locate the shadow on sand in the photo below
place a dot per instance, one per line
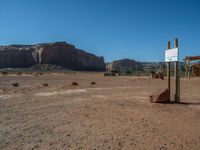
(184, 103)
(190, 103)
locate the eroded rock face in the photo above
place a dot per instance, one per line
(161, 96)
(59, 53)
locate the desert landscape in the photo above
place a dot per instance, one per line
(99, 75)
(85, 110)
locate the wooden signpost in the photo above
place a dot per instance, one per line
(172, 55)
(169, 70)
(176, 76)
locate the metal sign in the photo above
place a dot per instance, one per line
(171, 55)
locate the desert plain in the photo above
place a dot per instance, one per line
(46, 111)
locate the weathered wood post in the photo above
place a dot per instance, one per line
(136, 70)
(119, 71)
(168, 69)
(176, 76)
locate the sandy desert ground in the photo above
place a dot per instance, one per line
(114, 113)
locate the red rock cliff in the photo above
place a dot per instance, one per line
(59, 53)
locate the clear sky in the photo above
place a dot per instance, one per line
(115, 29)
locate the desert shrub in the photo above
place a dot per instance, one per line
(19, 73)
(128, 72)
(45, 84)
(39, 73)
(74, 83)
(15, 84)
(93, 83)
(5, 73)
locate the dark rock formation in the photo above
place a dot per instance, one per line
(59, 53)
(160, 97)
(115, 65)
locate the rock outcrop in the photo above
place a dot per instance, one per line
(160, 97)
(115, 65)
(59, 53)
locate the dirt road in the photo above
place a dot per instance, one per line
(114, 113)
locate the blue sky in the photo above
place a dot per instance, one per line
(115, 29)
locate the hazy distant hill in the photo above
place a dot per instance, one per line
(123, 63)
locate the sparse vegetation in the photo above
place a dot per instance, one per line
(73, 103)
(128, 72)
(74, 83)
(4, 73)
(93, 83)
(19, 73)
(45, 84)
(15, 84)
(38, 74)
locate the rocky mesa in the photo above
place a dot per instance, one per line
(58, 53)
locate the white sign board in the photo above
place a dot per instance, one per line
(171, 55)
